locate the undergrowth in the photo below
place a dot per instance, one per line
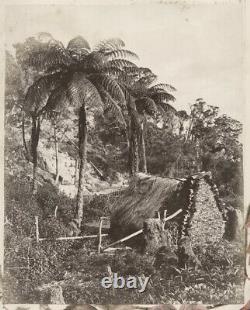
(78, 268)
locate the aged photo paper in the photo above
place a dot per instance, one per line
(124, 155)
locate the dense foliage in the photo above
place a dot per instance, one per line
(97, 106)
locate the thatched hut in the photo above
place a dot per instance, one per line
(202, 217)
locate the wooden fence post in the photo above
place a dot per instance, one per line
(100, 236)
(37, 229)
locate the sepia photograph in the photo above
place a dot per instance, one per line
(123, 156)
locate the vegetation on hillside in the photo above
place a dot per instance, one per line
(97, 106)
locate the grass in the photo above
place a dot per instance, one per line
(77, 267)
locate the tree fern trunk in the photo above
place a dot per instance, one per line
(35, 133)
(82, 158)
(76, 169)
(133, 136)
(134, 149)
(56, 153)
(26, 151)
(143, 164)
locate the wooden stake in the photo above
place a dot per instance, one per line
(37, 229)
(172, 215)
(165, 213)
(72, 238)
(55, 213)
(124, 239)
(100, 236)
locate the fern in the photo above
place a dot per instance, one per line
(146, 105)
(164, 87)
(114, 107)
(109, 84)
(78, 43)
(121, 53)
(109, 45)
(120, 63)
(38, 93)
(82, 92)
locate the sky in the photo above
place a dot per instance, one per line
(196, 48)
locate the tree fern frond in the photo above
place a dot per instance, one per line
(37, 94)
(113, 71)
(146, 81)
(162, 96)
(126, 93)
(79, 54)
(121, 53)
(120, 63)
(109, 45)
(166, 108)
(94, 62)
(57, 101)
(114, 107)
(109, 84)
(41, 56)
(162, 86)
(82, 91)
(44, 37)
(146, 105)
(78, 43)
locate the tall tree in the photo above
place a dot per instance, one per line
(80, 76)
(144, 100)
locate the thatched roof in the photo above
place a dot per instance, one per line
(196, 196)
(145, 196)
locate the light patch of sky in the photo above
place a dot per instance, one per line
(198, 48)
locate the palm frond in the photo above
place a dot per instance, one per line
(162, 86)
(78, 43)
(109, 45)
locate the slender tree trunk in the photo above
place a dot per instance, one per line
(143, 163)
(56, 152)
(133, 137)
(76, 168)
(35, 133)
(198, 162)
(134, 149)
(82, 158)
(26, 151)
